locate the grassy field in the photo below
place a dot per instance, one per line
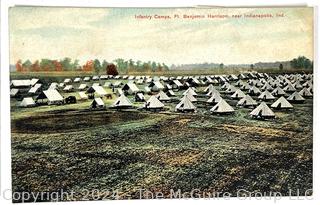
(72, 148)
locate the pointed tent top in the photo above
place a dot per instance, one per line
(266, 95)
(162, 96)
(122, 101)
(191, 97)
(222, 107)
(289, 88)
(305, 92)
(231, 89)
(190, 91)
(247, 101)
(98, 101)
(215, 98)
(278, 91)
(209, 88)
(213, 92)
(185, 105)
(238, 94)
(295, 97)
(281, 103)
(153, 103)
(262, 111)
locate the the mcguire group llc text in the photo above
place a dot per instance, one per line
(206, 16)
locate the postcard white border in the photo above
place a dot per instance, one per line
(5, 99)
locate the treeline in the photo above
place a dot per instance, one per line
(95, 66)
(131, 66)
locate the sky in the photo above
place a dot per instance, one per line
(110, 33)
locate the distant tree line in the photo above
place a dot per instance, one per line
(130, 66)
(67, 64)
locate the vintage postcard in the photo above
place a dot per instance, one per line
(153, 103)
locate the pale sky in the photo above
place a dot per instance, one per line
(110, 33)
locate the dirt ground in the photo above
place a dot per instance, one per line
(78, 150)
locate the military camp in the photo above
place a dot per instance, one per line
(160, 120)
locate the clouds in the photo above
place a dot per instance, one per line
(86, 33)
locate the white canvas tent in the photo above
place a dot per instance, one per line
(254, 91)
(289, 88)
(238, 94)
(305, 92)
(262, 111)
(247, 101)
(86, 79)
(162, 96)
(97, 103)
(50, 97)
(153, 103)
(156, 86)
(77, 80)
(296, 98)
(215, 98)
(185, 105)
(281, 103)
(130, 88)
(190, 91)
(35, 88)
(27, 102)
(21, 83)
(83, 86)
(83, 95)
(68, 88)
(122, 102)
(266, 95)
(278, 91)
(97, 90)
(222, 107)
(191, 97)
(67, 80)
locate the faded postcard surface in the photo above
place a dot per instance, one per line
(150, 103)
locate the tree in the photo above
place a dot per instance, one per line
(166, 68)
(26, 66)
(75, 65)
(19, 66)
(251, 66)
(66, 64)
(131, 66)
(88, 67)
(104, 65)
(35, 66)
(46, 65)
(280, 66)
(139, 65)
(221, 66)
(301, 62)
(153, 66)
(112, 69)
(96, 66)
(57, 65)
(121, 65)
(159, 68)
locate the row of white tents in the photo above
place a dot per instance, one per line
(287, 88)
